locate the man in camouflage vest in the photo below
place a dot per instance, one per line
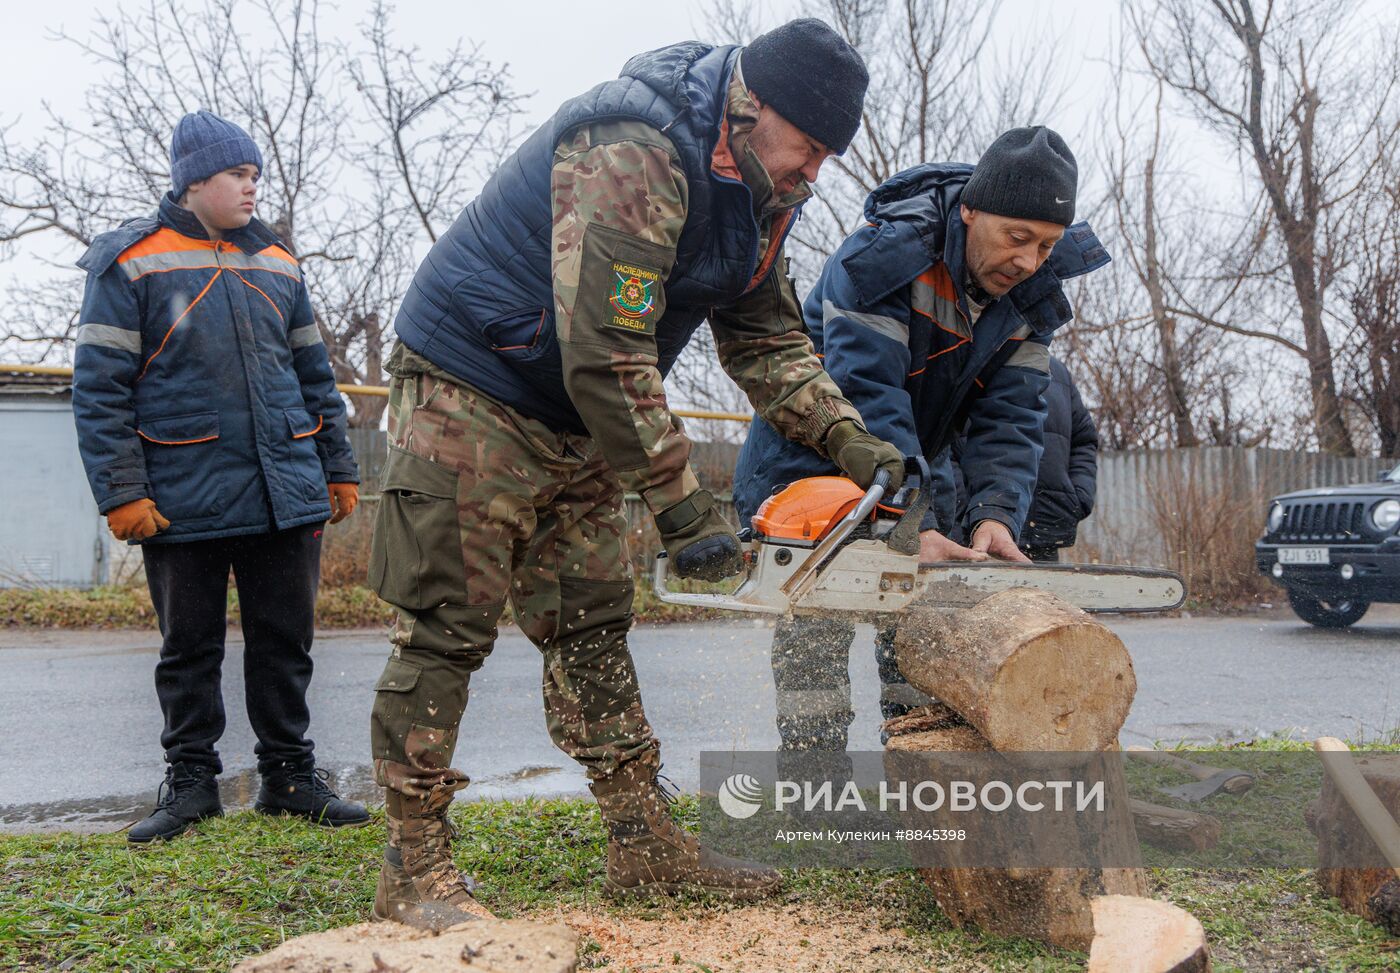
(528, 394)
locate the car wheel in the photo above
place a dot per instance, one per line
(1327, 614)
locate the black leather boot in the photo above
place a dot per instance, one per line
(303, 791)
(189, 793)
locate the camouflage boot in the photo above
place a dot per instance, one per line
(649, 854)
(418, 883)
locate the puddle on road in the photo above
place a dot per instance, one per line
(239, 790)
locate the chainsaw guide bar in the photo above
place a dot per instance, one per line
(835, 570)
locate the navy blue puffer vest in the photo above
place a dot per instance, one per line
(481, 306)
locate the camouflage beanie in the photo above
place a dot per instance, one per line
(812, 77)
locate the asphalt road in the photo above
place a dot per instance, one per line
(79, 726)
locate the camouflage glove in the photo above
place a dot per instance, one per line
(699, 542)
(136, 520)
(861, 455)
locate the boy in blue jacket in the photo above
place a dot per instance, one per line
(934, 318)
(213, 436)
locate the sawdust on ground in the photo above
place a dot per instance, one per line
(485, 945)
(750, 939)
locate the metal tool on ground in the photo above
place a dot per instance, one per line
(1211, 780)
(820, 546)
(1337, 760)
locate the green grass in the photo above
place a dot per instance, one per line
(242, 884)
(346, 606)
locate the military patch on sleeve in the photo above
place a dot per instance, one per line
(633, 299)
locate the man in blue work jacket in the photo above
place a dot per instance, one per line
(213, 435)
(934, 317)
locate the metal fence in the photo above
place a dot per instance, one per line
(1140, 491)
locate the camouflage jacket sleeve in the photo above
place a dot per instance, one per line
(619, 202)
(764, 347)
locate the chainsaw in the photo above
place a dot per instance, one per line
(820, 546)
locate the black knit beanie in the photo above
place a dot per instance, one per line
(812, 77)
(1027, 173)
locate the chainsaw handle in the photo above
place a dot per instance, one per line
(904, 539)
(660, 585)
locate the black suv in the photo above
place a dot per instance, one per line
(1335, 550)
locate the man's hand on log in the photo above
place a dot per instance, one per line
(992, 537)
(933, 546)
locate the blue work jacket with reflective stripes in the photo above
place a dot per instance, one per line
(890, 318)
(200, 381)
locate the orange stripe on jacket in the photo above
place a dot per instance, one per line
(946, 350)
(179, 442)
(166, 240)
(163, 240)
(182, 316)
(260, 291)
(273, 250)
(938, 278)
(320, 421)
(962, 338)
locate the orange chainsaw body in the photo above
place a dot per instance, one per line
(807, 509)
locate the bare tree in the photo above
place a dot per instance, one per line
(1165, 241)
(1279, 81)
(1371, 370)
(940, 90)
(368, 153)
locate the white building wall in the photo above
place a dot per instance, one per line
(51, 534)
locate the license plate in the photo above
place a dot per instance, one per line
(1303, 555)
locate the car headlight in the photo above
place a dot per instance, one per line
(1385, 515)
(1275, 517)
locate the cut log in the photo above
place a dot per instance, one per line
(1052, 905)
(1137, 935)
(1029, 670)
(1167, 827)
(479, 946)
(1354, 821)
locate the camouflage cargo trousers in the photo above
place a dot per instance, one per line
(811, 672)
(480, 504)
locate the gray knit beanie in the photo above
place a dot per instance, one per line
(204, 144)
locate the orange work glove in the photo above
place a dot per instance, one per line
(136, 521)
(344, 498)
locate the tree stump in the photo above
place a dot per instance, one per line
(479, 946)
(1135, 935)
(1029, 670)
(1342, 843)
(1049, 904)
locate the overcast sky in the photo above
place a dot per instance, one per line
(555, 49)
